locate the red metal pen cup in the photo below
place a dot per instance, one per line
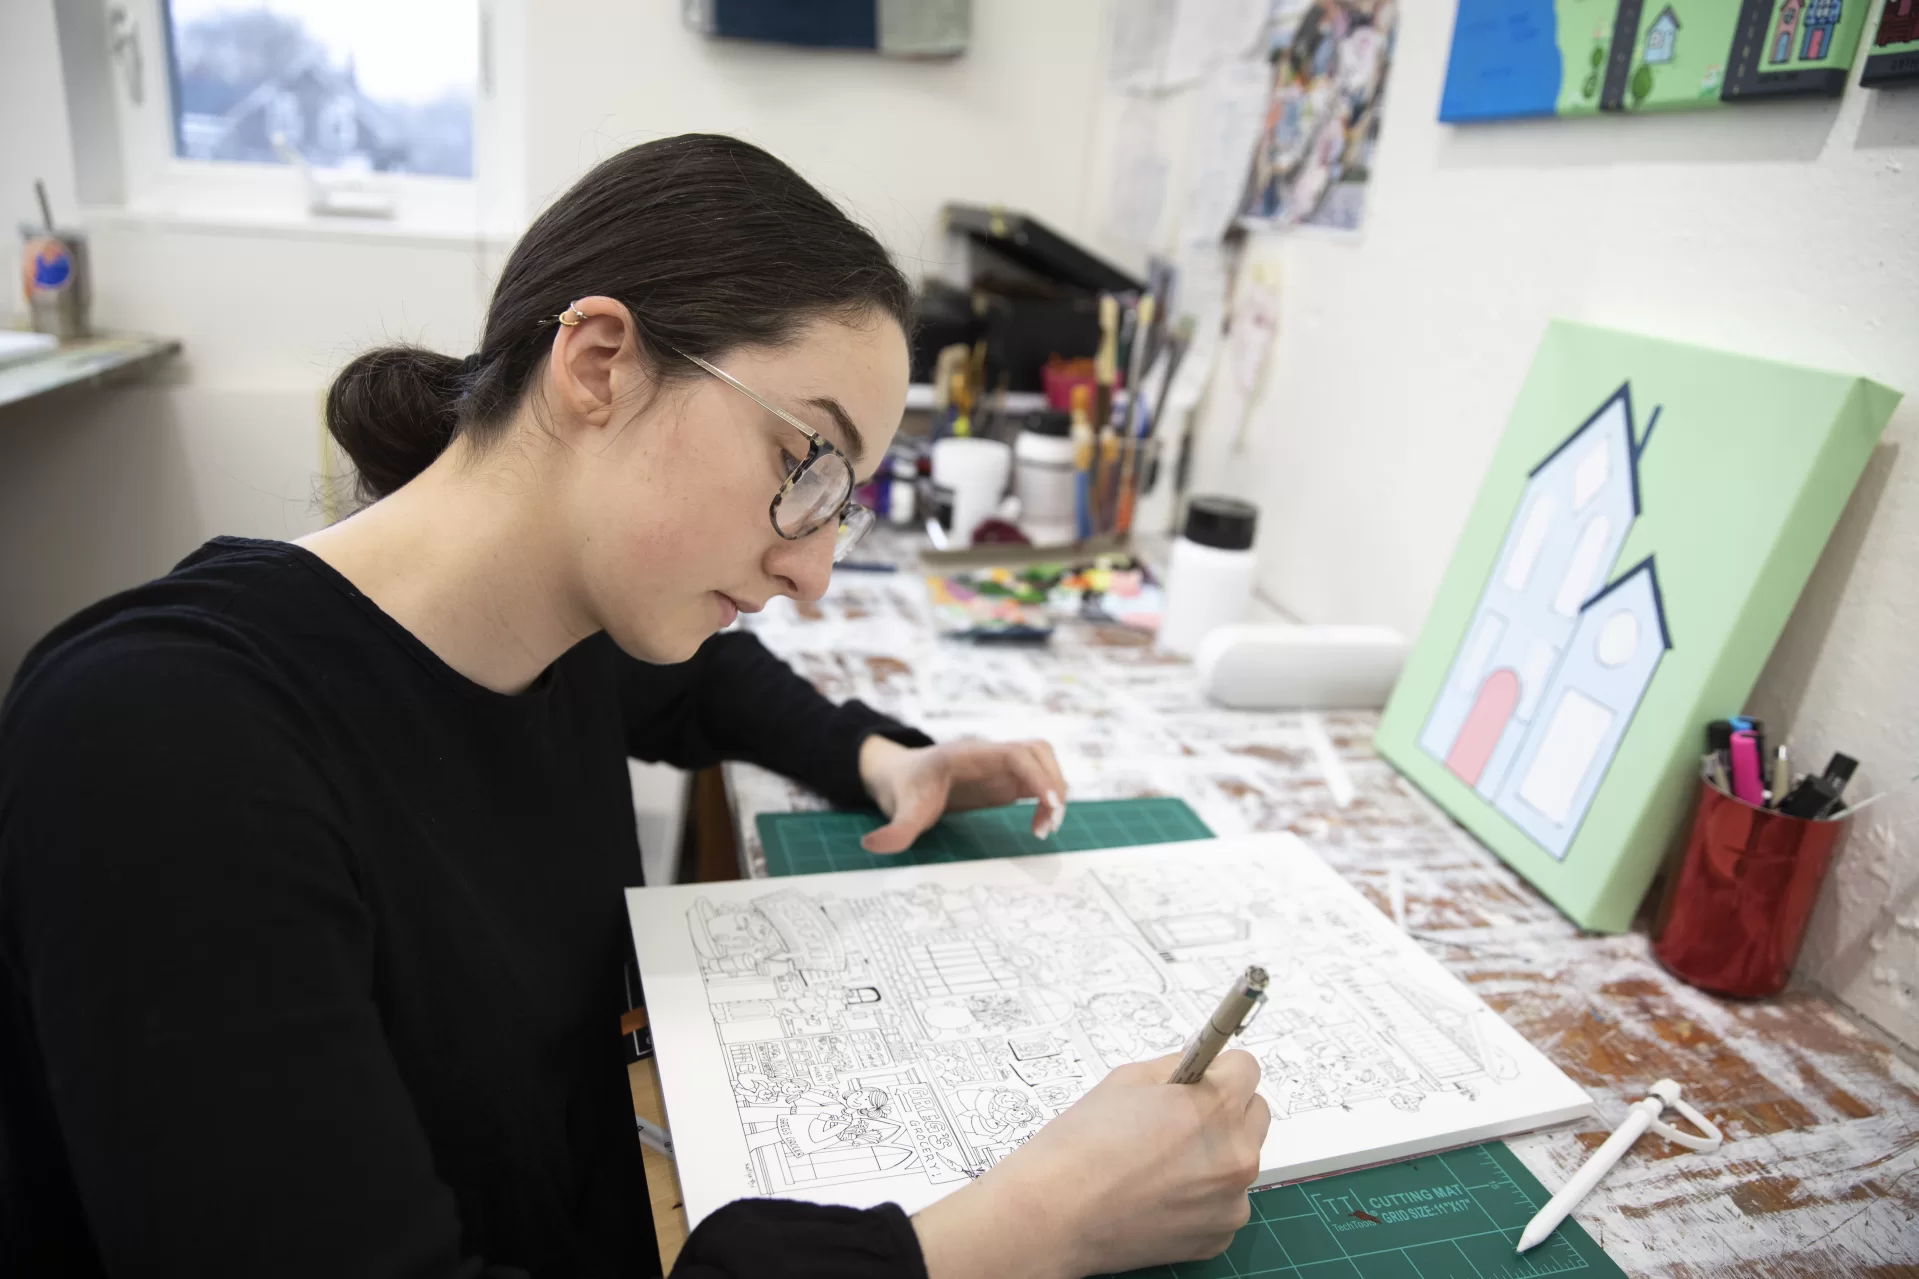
(1737, 912)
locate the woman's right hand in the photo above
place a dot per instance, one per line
(1137, 1172)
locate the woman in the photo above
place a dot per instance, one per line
(310, 926)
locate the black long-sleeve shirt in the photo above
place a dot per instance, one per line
(312, 950)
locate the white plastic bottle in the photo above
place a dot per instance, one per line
(1043, 476)
(901, 491)
(1209, 582)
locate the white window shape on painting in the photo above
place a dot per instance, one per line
(1582, 575)
(1566, 754)
(1589, 480)
(1533, 674)
(1531, 541)
(1618, 639)
(1473, 660)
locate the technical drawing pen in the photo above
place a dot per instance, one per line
(1235, 1011)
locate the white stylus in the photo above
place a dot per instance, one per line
(1643, 1115)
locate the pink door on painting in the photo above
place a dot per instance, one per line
(1498, 697)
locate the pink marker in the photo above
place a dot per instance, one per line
(1746, 785)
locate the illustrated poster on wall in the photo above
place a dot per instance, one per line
(1893, 56)
(1644, 530)
(1329, 61)
(1513, 58)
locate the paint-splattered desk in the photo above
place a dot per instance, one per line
(1821, 1118)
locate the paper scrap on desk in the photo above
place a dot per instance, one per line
(15, 346)
(886, 1035)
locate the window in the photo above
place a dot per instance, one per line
(1531, 541)
(313, 112)
(348, 84)
(1584, 570)
(1589, 479)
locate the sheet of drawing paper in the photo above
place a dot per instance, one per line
(887, 1035)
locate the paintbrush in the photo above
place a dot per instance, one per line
(1105, 373)
(1135, 417)
(1082, 402)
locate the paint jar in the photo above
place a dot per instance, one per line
(1736, 912)
(1043, 476)
(1209, 578)
(975, 471)
(902, 490)
(57, 281)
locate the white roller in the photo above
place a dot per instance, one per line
(1263, 666)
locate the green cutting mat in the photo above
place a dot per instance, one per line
(1451, 1216)
(807, 843)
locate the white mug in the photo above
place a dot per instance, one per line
(976, 471)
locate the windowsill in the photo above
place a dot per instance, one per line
(299, 225)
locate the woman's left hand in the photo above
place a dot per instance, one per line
(914, 785)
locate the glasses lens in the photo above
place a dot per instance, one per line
(854, 526)
(813, 500)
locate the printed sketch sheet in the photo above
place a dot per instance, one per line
(888, 1034)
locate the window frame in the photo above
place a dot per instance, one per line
(161, 184)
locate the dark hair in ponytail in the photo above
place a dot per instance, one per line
(710, 242)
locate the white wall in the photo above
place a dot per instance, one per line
(1780, 230)
(99, 491)
(1009, 122)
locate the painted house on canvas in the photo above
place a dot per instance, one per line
(1783, 33)
(1557, 655)
(1898, 22)
(1822, 18)
(1662, 37)
(1589, 703)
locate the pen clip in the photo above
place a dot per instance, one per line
(1710, 1141)
(1259, 1005)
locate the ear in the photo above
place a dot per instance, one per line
(595, 361)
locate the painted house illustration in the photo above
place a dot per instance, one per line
(1662, 36)
(1558, 652)
(1822, 16)
(1898, 22)
(1782, 34)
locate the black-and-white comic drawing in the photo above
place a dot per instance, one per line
(929, 1031)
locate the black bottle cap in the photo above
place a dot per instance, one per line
(1225, 523)
(1049, 422)
(1840, 770)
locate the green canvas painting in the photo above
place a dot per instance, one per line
(1645, 528)
(1579, 57)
